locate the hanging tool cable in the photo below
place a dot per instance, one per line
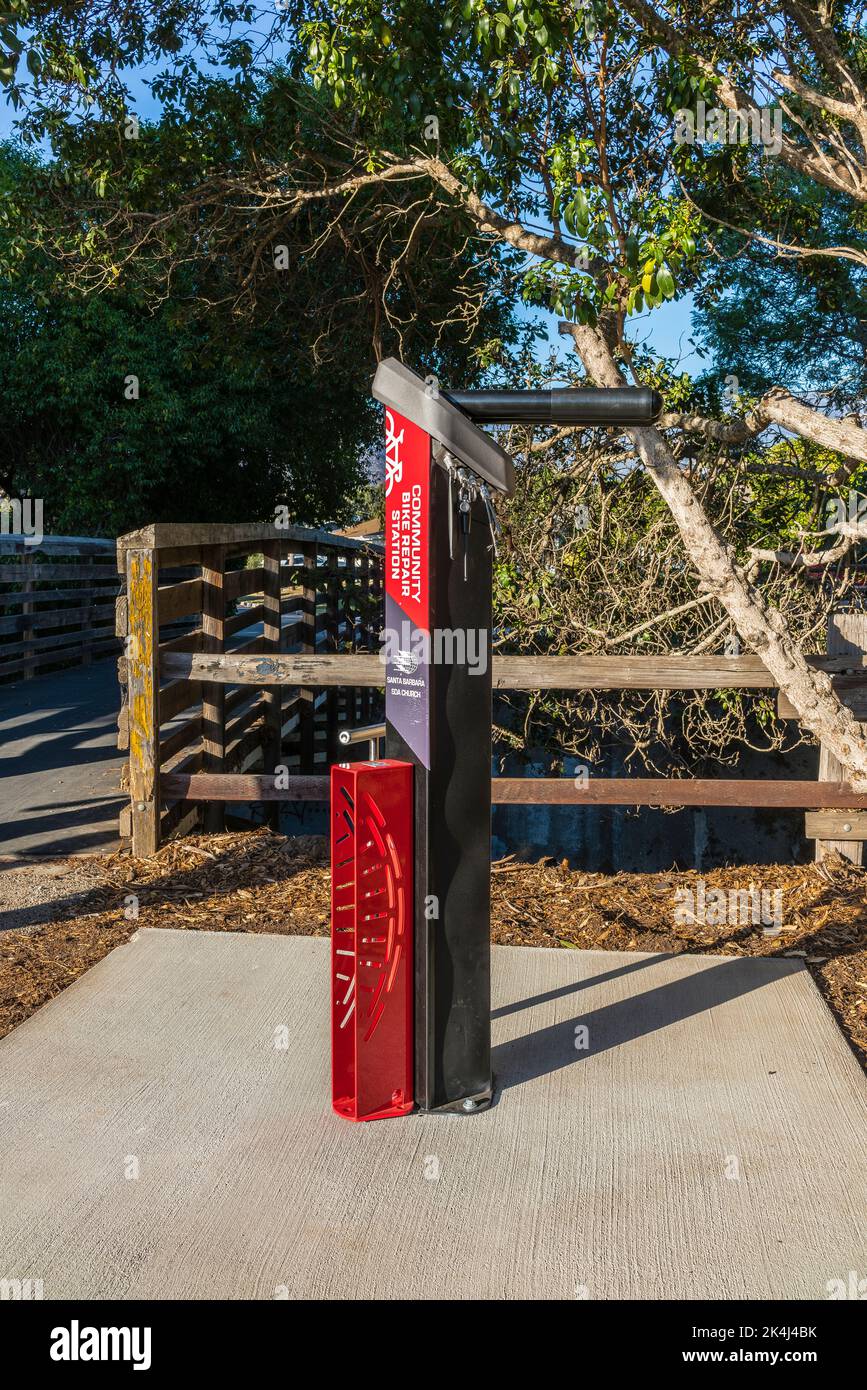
(485, 493)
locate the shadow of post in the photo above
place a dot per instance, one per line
(550, 1049)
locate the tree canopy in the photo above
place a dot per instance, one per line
(153, 370)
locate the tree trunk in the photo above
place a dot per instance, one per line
(847, 636)
(763, 629)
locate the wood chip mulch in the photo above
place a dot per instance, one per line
(257, 881)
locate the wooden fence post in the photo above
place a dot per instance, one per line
(144, 720)
(213, 695)
(847, 636)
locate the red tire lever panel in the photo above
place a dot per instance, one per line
(371, 939)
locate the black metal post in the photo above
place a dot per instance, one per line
(453, 823)
(438, 689)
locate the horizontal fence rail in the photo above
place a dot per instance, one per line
(549, 791)
(512, 672)
(57, 603)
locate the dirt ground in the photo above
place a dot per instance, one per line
(63, 915)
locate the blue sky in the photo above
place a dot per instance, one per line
(667, 330)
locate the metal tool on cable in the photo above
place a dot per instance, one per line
(469, 489)
(465, 514)
(485, 494)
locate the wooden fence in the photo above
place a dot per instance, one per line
(248, 594)
(57, 603)
(335, 582)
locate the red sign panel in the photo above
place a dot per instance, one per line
(407, 465)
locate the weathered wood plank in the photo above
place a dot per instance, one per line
(645, 672)
(845, 826)
(144, 701)
(240, 697)
(251, 714)
(60, 617)
(289, 668)
(509, 672)
(187, 642)
(248, 617)
(179, 820)
(102, 576)
(230, 786)
(552, 791)
(186, 733)
(15, 597)
(183, 535)
(69, 640)
(178, 696)
(63, 656)
(237, 583)
(18, 544)
(177, 557)
(213, 605)
(179, 600)
(652, 791)
(371, 527)
(245, 750)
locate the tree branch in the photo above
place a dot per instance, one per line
(762, 628)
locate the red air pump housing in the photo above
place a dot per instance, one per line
(371, 939)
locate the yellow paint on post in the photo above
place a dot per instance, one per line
(143, 696)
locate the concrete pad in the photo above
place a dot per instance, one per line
(709, 1143)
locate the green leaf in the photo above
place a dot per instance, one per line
(665, 281)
